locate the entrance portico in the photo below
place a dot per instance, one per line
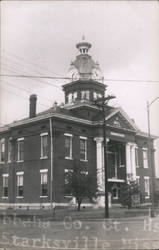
(121, 165)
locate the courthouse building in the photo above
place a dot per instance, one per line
(36, 152)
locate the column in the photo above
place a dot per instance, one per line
(99, 161)
(130, 160)
(133, 164)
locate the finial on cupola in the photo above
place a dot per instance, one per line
(83, 46)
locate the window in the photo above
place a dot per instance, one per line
(85, 94)
(147, 186)
(44, 182)
(74, 96)
(67, 174)
(145, 158)
(2, 150)
(70, 96)
(95, 95)
(136, 157)
(5, 185)
(116, 122)
(44, 145)
(21, 149)
(83, 148)
(20, 187)
(9, 150)
(138, 180)
(68, 146)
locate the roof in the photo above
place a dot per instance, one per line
(66, 113)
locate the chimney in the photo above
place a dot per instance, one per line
(33, 99)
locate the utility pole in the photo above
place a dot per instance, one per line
(151, 167)
(102, 103)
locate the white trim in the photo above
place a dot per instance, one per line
(43, 196)
(68, 158)
(5, 175)
(41, 145)
(20, 139)
(146, 177)
(43, 170)
(43, 134)
(2, 162)
(20, 161)
(67, 170)
(83, 137)
(115, 180)
(4, 197)
(146, 149)
(123, 113)
(117, 134)
(20, 173)
(43, 157)
(67, 134)
(84, 160)
(19, 197)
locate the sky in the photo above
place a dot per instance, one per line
(39, 38)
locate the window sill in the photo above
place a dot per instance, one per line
(3, 197)
(2, 162)
(68, 158)
(137, 166)
(43, 157)
(83, 160)
(45, 196)
(19, 197)
(20, 161)
(147, 197)
(9, 161)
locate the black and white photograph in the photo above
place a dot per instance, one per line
(79, 125)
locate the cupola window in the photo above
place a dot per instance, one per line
(85, 95)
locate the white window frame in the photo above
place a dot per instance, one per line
(70, 97)
(75, 96)
(145, 160)
(95, 95)
(85, 95)
(2, 141)
(5, 176)
(9, 150)
(69, 136)
(43, 171)
(18, 140)
(86, 156)
(17, 176)
(42, 135)
(137, 157)
(147, 189)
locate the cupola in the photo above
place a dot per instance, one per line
(84, 78)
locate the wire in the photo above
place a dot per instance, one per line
(28, 91)
(48, 83)
(67, 78)
(28, 62)
(22, 97)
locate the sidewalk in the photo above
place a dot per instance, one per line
(84, 214)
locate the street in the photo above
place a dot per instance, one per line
(126, 233)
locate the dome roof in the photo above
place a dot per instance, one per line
(84, 66)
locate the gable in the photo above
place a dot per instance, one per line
(119, 119)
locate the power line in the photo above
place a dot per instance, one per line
(68, 78)
(28, 62)
(28, 91)
(22, 97)
(38, 80)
